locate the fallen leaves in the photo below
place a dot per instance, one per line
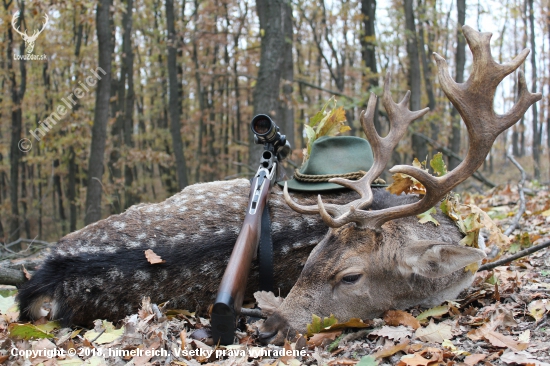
(27, 331)
(538, 308)
(395, 333)
(267, 301)
(398, 317)
(106, 334)
(434, 333)
(489, 333)
(436, 311)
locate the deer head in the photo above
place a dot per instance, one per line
(375, 260)
(29, 40)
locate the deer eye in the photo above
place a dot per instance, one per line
(349, 279)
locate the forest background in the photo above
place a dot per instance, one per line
(158, 94)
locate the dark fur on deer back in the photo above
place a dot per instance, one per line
(101, 272)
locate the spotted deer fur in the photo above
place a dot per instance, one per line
(101, 271)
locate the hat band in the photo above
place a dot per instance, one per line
(308, 178)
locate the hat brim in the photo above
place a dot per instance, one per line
(295, 185)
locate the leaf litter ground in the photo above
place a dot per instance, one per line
(502, 319)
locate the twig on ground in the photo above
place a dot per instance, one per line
(25, 240)
(99, 335)
(256, 313)
(521, 209)
(518, 255)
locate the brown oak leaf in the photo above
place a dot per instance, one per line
(153, 258)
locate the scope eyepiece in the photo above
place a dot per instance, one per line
(265, 130)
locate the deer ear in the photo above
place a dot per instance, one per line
(437, 259)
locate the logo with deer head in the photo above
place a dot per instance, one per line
(29, 40)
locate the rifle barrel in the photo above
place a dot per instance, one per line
(233, 285)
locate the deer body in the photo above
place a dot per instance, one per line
(101, 271)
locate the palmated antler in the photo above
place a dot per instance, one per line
(400, 117)
(473, 100)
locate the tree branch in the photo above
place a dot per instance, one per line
(523, 253)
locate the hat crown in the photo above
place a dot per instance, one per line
(332, 155)
(338, 155)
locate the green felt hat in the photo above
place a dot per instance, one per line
(346, 156)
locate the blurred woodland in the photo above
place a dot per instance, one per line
(159, 94)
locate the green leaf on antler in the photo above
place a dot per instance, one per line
(427, 217)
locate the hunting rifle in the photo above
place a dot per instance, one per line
(233, 285)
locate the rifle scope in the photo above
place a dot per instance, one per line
(267, 132)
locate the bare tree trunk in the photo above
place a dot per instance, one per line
(454, 143)
(286, 108)
(17, 95)
(418, 144)
(368, 51)
(535, 121)
(59, 192)
(130, 197)
(427, 70)
(101, 116)
(174, 104)
(266, 93)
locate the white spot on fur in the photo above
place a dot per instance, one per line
(133, 244)
(141, 236)
(119, 225)
(182, 209)
(142, 275)
(105, 237)
(178, 238)
(115, 274)
(276, 227)
(310, 220)
(285, 249)
(296, 224)
(207, 267)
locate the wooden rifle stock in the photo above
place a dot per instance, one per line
(233, 285)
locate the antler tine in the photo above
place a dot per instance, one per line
(365, 194)
(474, 101)
(400, 118)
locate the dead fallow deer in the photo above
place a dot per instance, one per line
(101, 272)
(373, 260)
